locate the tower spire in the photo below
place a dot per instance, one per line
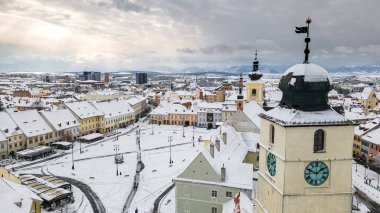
(255, 75)
(240, 96)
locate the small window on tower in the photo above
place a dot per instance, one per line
(271, 134)
(254, 92)
(319, 140)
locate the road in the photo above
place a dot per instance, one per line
(139, 168)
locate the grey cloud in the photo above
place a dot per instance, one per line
(125, 5)
(186, 50)
(217, 48)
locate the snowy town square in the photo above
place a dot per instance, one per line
(179, 106)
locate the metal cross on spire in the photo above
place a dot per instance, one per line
(307, 39)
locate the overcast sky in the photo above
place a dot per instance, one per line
(112, 35)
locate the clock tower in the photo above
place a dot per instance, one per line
(305, 147)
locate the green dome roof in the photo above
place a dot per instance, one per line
(305, 87)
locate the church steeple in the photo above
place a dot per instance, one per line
(240, 96)
(255, 75)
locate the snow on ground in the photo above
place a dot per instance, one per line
(163, 132)
(361, 206)
(157, 174)
(95, 166)
(359, 181)
(168, 203)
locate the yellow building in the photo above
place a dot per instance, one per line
(35, 129)
(368, 98)
(91, 119)
(254, 86)
(361, 131)
(302, 167)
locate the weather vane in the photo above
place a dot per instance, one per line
(307, 39)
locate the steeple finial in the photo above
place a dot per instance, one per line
(307, 39)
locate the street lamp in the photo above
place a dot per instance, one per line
(80, 147)
(152, 129)
(365, 173)
(170, 147)
(72, 155)
(183, 127)
(193, 136)
(116, 148)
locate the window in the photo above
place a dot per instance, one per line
(254, 92)
(319, 140)
(271, 134)
(228, 194)
(214, 193)
(214, 210)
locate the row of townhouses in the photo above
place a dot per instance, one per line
(21, 130)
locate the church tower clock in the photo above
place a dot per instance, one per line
(305, 146)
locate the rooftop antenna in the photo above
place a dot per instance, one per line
(307, 39)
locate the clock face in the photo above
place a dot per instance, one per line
(271, 164)
(316, 173)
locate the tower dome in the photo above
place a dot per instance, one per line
(305, 87)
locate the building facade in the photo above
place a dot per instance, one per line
(303, 168)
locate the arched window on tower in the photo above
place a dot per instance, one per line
(254, 92)
(319, 140)
(271, 134)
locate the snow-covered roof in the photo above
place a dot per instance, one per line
(114, 108)
(354, 113)
(135, 100)
(230, 156)
(61, 119)
(293, 117)
(11, 196)
(366, 93)
(253, 110)
(373, 136)
(31, 123)
(8, 126)
(83, 109)
(312, 72)
(364, 128)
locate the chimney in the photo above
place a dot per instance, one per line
(212, 150)
(223, 173)
(217, 144)
(225, 137)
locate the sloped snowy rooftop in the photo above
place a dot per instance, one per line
(31, 123)
(61, 119)
(83, 109)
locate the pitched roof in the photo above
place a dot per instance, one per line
(83, 109)
(31, 123)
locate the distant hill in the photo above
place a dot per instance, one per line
(264, 68)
